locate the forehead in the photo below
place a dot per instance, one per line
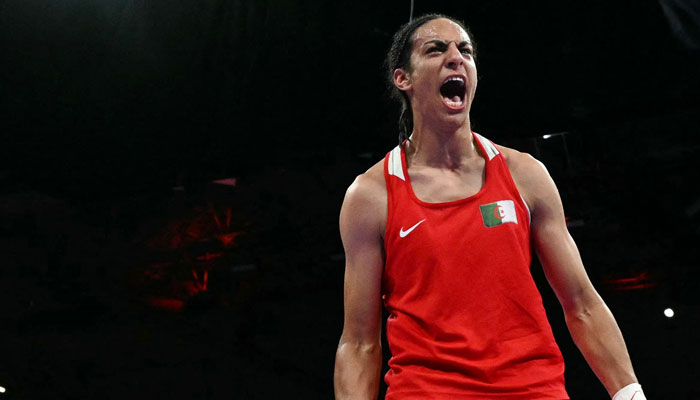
(440, 29)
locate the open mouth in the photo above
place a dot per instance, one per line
(453, 91)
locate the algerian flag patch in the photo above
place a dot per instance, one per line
(498, 213)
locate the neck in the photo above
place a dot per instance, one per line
(441, 146)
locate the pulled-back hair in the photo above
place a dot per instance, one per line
(399, 56)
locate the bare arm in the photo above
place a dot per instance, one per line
(590, 322)
(359, 355)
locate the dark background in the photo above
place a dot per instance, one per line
(127, 272)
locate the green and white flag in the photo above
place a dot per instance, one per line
(498, 213)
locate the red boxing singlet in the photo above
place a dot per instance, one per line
(466, 319)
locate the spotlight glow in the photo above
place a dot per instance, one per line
(2, 389)
(546, 136)
(669, 313)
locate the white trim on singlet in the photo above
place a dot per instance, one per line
(395, 167)
(492, 151)
(490, 148)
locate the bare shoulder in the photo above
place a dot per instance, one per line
(369, 188)
(365, 204)
(521, 163)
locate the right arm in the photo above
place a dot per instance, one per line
(358, 359)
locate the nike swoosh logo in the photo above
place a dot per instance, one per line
(403, 233)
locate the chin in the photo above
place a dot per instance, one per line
(455, 121)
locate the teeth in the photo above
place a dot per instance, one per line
(454, 78)
(454, 103)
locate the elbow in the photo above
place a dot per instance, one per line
(358, 347)
(583, 308)
(360, 341)
(579, 314)
(352, 354)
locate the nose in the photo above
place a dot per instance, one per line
(454, 56)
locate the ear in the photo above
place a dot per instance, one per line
(402, 79)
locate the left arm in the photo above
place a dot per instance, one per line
(590, 322)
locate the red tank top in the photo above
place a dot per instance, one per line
(466, 319)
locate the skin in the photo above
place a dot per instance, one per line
(445, 165)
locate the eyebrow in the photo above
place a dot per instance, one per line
(437, 41)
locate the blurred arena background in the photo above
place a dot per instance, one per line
(171, 175)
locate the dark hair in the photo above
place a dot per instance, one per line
(399, 56)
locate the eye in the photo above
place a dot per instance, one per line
(466, 50)
(433, 49)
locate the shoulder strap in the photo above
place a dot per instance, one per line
(488, 146)
(394, 166)
(492, 151)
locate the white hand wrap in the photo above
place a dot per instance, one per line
(630, 392)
